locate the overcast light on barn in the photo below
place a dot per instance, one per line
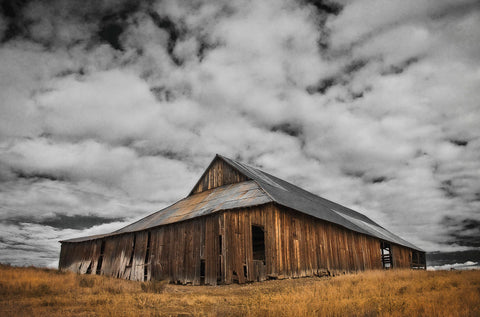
(219, 142)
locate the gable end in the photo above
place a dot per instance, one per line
(217, 174)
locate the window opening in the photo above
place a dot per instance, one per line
(387, 262)
(100, 258)
(258, 243)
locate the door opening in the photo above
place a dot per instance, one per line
(387, 261)
(417, 260)
(258, 243)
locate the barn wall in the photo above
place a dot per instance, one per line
(402, 257)
(218, 248)
(172, 252)
(218, 174)
(298, 245)
(78, 257)
(179, 249)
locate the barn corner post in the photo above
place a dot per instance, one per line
(240, 224)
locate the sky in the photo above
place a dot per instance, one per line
(111, 110)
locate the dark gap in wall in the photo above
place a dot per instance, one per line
(202, 272)
(100, 258)
(89, 269)
(130, 262)
(147, 257)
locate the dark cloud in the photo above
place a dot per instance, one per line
(378, 179)
(342, 78)
(455, 9)
(355, 66)
(204, 47)
(110, 32)
(459, 142)
(323, 85)
(62, 221)
(327, 6)
(39, 176)
(68, 72)
(288, 128)
(76, 222)
(448, 188)
(463, 232)
(400, 67)
(353, 173)
(442, 258)
(12, 11)
(162, 93)
(174, 33)
(113, 24)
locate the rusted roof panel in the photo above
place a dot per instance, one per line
(238, 195)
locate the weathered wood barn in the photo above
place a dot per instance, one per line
(240, 224)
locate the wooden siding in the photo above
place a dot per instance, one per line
(402, 257)
(218, 174)
(175, 253)
(296, 245)
(77, 257)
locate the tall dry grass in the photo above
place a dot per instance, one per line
(43, 292)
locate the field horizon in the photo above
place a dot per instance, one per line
(33, 291)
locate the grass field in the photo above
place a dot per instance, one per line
(45, 292)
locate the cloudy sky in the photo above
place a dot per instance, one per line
(110, 110)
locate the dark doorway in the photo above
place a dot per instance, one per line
(258, 243)
(387, 261)
(418, 260)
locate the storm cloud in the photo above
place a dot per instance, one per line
(110, 111)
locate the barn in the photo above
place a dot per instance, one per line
(239, 224)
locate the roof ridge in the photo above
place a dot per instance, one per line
(324, 201)
(297, 198)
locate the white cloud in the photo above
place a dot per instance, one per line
(90, 128)
(469, 265)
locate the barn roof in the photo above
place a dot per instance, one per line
(260, 188)
(244, 194)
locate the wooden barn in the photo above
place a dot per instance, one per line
(240, 224)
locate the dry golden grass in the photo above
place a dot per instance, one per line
(44, 292)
